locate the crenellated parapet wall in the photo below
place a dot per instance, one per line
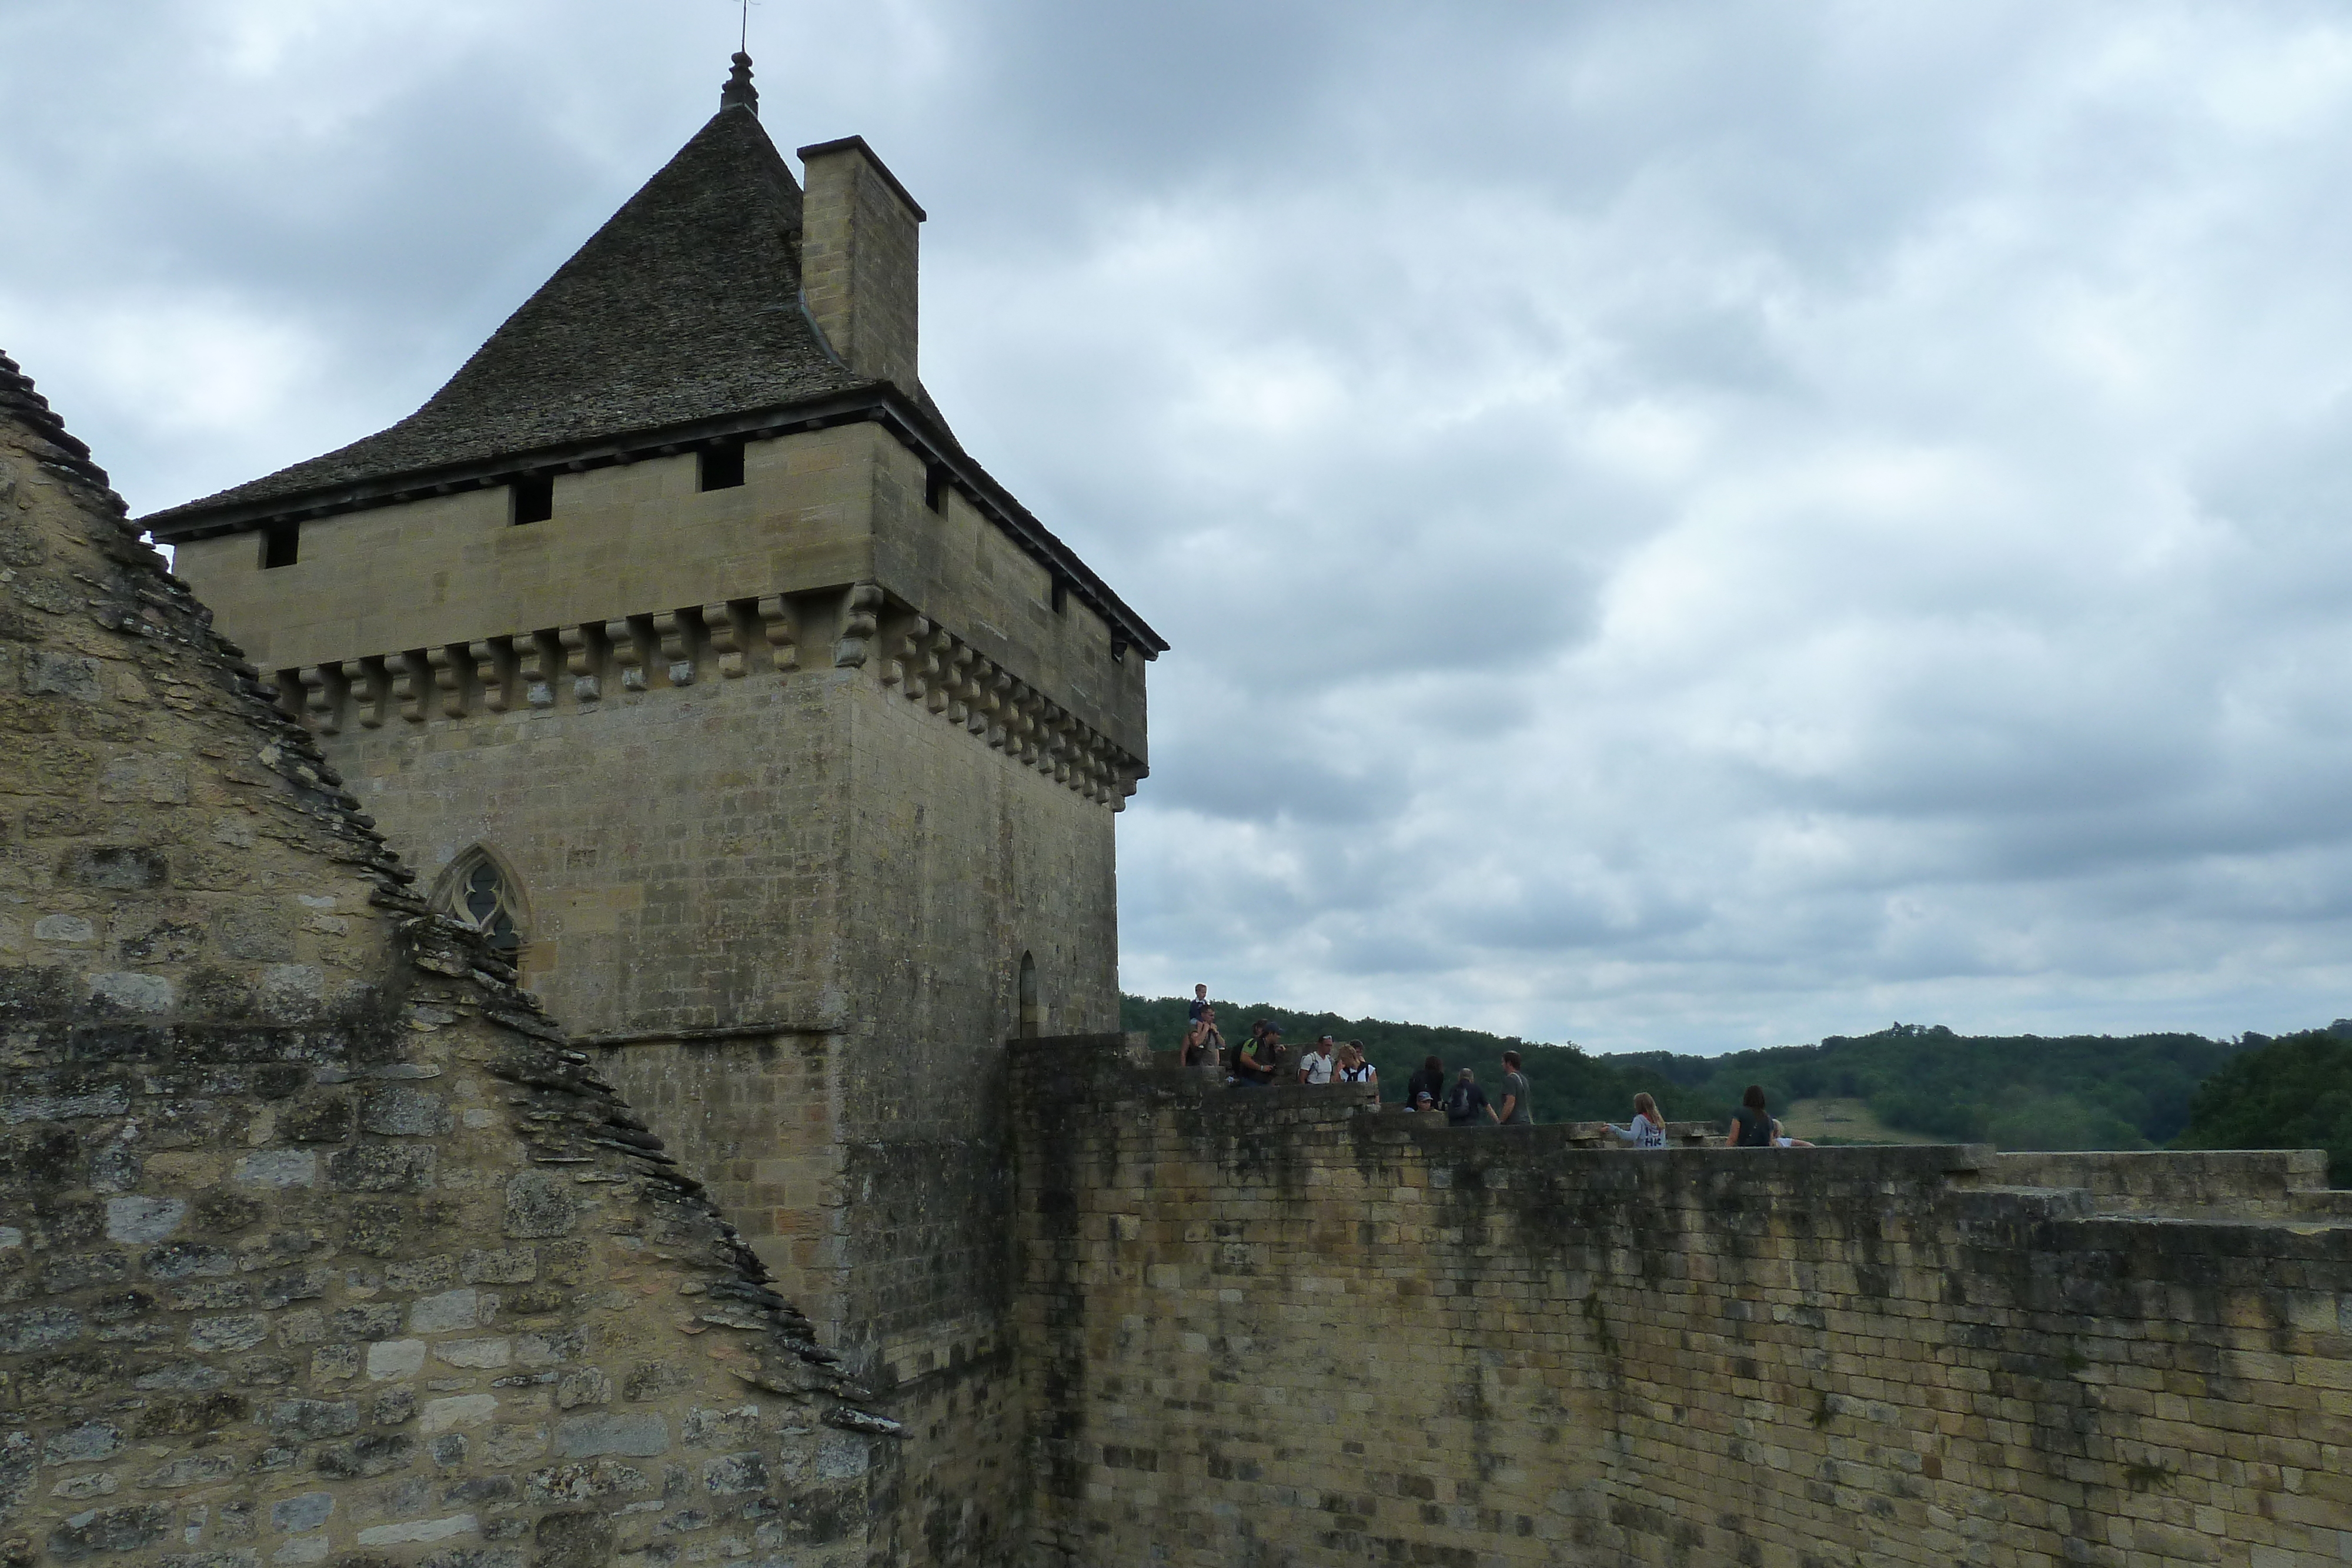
(1286, 1326)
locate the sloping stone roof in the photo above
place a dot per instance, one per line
(684, 307)
(298, 1188)
(32, 411)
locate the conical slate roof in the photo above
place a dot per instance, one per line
(685, 307)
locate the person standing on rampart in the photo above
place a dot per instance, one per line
(1205, 1045)
(1429, 1083)
(1752, 1126)
(1260, 1059)
(1648, 1128)
(1466, 1100)
(1515, 1112)
(1354, 1068)
(1318, 1064)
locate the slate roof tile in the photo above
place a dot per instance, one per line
(684, 307)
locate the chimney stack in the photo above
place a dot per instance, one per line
(859, 253)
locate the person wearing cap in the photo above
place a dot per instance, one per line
(1260, 1059)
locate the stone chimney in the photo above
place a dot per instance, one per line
(859, 250)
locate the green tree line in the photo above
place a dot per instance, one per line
(2019, 1092)
(2291, 1092)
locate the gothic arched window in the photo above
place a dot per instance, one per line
(480, 892)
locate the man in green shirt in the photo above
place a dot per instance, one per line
(1259, 1060)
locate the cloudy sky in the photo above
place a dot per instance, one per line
(1690, 523)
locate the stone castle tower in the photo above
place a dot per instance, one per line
(683, 648)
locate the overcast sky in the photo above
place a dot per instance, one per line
(1683, 525)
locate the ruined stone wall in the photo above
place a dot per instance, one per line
(1283, 1327)
(315, 1242)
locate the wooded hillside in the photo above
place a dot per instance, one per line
(2023, 1091)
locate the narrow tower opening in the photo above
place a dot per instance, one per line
(723, 466)
(281, 545)
(534, 498)
(1033, 1009)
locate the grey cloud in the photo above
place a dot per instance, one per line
(1701, 524)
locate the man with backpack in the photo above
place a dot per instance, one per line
(1465, 1101)
(1260, 1059)
(1318, 1065)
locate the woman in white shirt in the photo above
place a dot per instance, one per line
(1649, 1128)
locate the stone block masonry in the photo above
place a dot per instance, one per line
(1288, 1327)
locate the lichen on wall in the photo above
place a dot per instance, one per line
(316, 1241)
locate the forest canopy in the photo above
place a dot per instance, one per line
(2292, 1092)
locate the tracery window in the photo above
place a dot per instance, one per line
(480, 894)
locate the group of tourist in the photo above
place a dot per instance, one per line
(1264, 1061)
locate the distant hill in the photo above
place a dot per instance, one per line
(2022, 1091)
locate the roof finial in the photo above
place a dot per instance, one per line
(738, 90)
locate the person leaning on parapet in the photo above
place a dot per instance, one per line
(1260, 1059)
(1648, 1128)
(1425, 1088)
(1465, 1101)
(1753, 1127)
(1516, 1111)
(1318, 1065)
(1354, 1069)
(1257, 1034)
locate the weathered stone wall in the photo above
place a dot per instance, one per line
(1283, 1327)
(786, 913)
(315, 1243)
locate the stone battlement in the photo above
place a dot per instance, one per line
(587, 667)
(1285, 1324)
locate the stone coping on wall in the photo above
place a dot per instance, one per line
(1063, 1076)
